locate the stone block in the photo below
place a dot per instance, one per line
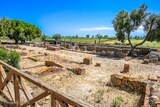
(53, 48)
(87, 61)
(23, 54)
(98, 65)
(126, 68)
(33, 59)
(52, 63)
(145, 61)
(79, 71)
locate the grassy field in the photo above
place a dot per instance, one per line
(106, 41)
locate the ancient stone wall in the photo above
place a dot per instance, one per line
(117, 50)
(128, 83)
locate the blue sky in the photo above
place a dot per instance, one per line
(72, 17)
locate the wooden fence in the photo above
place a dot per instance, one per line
(14, 82)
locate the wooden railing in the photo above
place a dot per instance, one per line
(14, 82)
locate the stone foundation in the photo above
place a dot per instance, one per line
(128, 83)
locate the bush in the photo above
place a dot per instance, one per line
(12, 57)
(117, 101)
(98, 97)
(3, 54)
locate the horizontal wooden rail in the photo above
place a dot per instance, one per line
(63, 99)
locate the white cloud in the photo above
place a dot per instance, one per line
(96, 28)
(140, 30)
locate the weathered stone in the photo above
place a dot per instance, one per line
(79, 71)
(98, 65)
(46, 54)
(22, 48)
(23, 54)
(146, 56)
(110, 53)
(152, 78)
(158, 63)
(145, 61)
(87, 61)
(40, 52)
(153, 49)
(128, 83)
(31, 50)
(127, 58)
(53, 48)
(50, 70)
(154, 98)
(154, 57)
(52, 63)
(33, 59)
(126, 68)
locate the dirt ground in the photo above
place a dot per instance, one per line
(91, 87)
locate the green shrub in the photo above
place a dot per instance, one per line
(12, 57)
(117, 101)
(3, 54)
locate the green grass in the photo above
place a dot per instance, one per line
(106, 41)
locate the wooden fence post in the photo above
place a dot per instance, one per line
(16, 90)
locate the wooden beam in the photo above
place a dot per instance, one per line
(16, 90)
(6, 80)
(1, 79)
(63, 104)
(54, 101)
(9, 86)
(37, 98)
(26, 91)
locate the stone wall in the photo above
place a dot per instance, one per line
(128, 83)
(53, 48)
(117, 50)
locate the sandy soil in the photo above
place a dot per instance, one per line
(86, 87)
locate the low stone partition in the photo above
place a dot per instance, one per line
(117, 51)
(10, 46)
(53, 48)
(128, 83)
(52, 63)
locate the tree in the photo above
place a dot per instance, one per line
(125, 23)
(18, 30)
(56, 37)
(87, 36)
(76, 36)
(106, 36)
(99, 37)
(43, 37)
